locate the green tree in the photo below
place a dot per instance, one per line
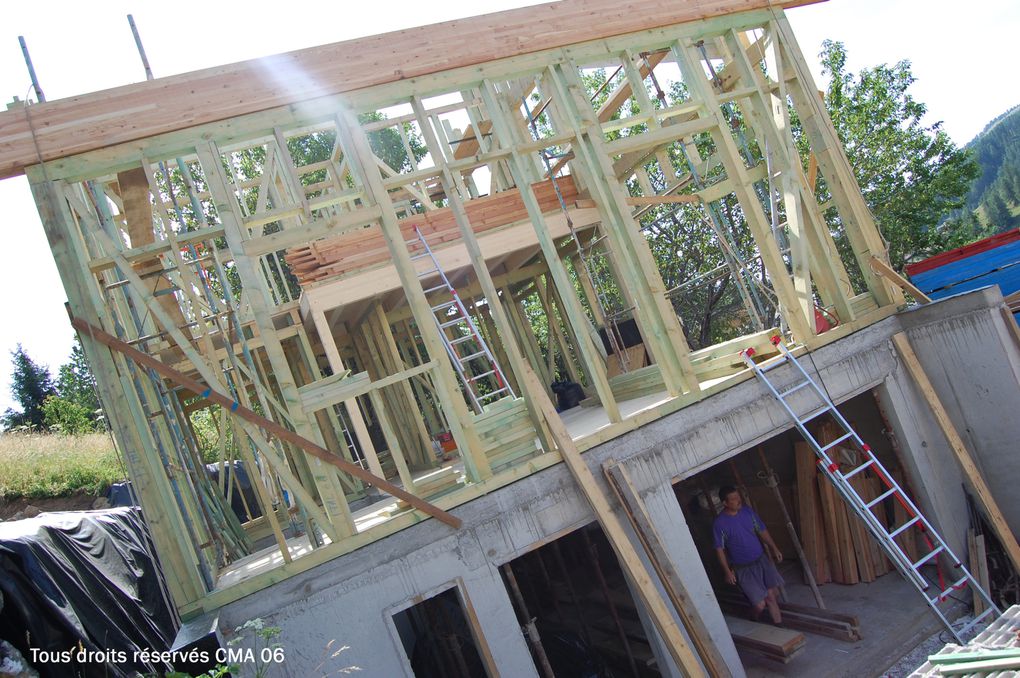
(996, 211)
(76, 384)
(911, 174)
(31, 384)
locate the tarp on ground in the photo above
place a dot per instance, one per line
(84, 581)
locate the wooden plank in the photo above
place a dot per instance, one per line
(890, 274)
(778, 643)
(970, 470)
(270, 426)
(636, 512)
(613, 527)
(809, 511)
(87, 122)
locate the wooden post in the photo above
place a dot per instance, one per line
(970, 471)
(613, 527)
(359, 154)
(636, 512)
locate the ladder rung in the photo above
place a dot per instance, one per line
(770, 365)
(928, 557)
(857, 470)
(790, 390)
(430, 290)
(482, 376)
(490, 394)
(428, 272)
(904, 526)
(461, 340)
(450, 323)
(468, 358)
(814, 414)
(944, 594)
(977, 620)
(837, 441)
(881, 497)
(445, 304)
(416, 257)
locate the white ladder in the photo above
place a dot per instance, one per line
(866, 461)
(451, 314)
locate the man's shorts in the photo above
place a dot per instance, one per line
(755, 579)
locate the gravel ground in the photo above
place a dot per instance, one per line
(913, 659)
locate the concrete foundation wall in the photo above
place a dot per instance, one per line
(963, 343)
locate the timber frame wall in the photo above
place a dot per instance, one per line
(172, 238)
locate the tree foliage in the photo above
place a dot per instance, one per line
(31, 385)
(911, 174)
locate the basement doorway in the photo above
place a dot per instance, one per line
(873, 616)
(576, 609)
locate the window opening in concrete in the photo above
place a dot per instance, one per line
(576, 610)
(437, 638)
(872, 617)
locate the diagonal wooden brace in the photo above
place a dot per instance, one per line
(269, 426)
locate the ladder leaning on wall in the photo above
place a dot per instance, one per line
(840, 473)
(453, 313)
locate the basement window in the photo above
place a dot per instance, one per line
(437, 638)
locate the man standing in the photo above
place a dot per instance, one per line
(739, 536)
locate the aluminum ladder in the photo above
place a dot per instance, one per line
(840, 471)
(453, 313)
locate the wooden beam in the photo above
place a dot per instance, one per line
(636, 512)
(613, 527)
(890, 274)
(970, 470)
(271, 427)
(87, 122)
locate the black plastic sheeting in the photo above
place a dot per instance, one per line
(84, 585)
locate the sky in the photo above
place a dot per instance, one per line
(962, 56)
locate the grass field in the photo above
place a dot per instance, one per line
(39, 465)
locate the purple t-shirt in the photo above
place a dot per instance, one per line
(739, 535)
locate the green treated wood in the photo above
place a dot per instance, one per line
(326, 479)
(661, 331)
(134, 445)
(860, 225)
(689, 62)
(359, 154)
(593, 363)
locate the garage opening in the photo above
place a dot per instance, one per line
(577, 612)
(871, 614)
(437, 638)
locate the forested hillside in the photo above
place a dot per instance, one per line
(996, 193)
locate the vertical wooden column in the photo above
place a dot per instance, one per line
(690, 66)
(423, 451)
(149, 480)
(467, 234)
(661, 329)
(255, 294)
(813, 251)
(589, 354)
(362, 160)
(336, 363)
(858, 221)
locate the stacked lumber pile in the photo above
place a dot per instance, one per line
(506, 431)
(800, 617)
(772, 642)
(331, 257)
(838, 546)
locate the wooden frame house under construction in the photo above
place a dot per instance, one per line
(371, 267)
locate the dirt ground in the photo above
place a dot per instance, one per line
(24, 507)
